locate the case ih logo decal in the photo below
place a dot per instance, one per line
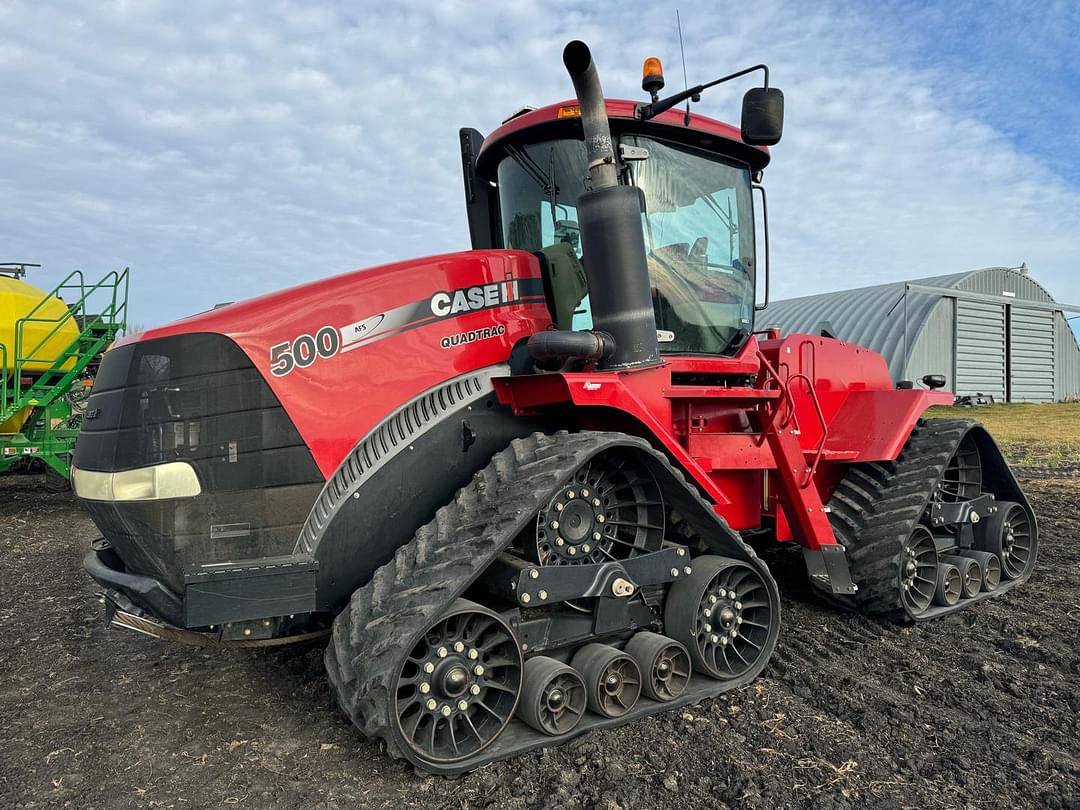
(303, 350)
(473, 299)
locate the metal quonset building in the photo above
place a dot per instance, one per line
(994, 331)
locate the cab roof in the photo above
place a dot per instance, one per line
(563, 120)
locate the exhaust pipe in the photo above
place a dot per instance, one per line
(609, 218)
(970, 574)
(599, 151)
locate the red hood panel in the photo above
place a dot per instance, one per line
(342, 353)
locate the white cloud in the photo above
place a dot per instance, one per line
(225, 153)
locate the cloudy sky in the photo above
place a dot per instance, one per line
(227, 149)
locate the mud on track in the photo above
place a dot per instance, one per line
(975, 710)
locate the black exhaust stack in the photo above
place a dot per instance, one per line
(609, 217)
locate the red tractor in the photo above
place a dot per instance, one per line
(518, 486)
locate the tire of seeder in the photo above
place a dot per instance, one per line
(407, 595)
(875, 507)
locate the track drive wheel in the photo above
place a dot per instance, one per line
(962, 478)
(553, 696)
(1009, 534)
(611, 509)
(457, 688)
(612, 679)
(664, 665)
(728, 614)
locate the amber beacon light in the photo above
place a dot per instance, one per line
(652, 76)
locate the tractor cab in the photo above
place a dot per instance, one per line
(695, 179)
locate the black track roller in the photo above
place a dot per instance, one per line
(970, 574)
(664, 665)
(612, 679)
(728, 615)
(990, 566)
(949, 585)
(552, 696)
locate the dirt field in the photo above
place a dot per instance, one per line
(976, 710)
(1042, 440)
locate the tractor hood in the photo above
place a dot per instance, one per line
(208, 440)
(408, 325)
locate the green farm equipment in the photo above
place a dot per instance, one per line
(50, 347)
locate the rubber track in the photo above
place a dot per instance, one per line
(408, 594)
(876, 506)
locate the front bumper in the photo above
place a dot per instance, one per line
(251, 595)
(136, 591)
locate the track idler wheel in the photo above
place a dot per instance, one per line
(949, 585)
(1008, 533)
(727, 614)
(990, 566)
(553, 696)
(970, 574)
(664, 665)
(919, 570)
(457, 688)
(612, 679)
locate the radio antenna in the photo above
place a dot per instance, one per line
(682, 52)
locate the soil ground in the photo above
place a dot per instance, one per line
(975, 710)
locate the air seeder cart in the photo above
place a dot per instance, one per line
(50, 347)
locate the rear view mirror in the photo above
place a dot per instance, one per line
(933, 381)
(762, 116)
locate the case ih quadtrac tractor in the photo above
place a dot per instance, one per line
(515, 485)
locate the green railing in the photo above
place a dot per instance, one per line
(108, 298)
(3, 380)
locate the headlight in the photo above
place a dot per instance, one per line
(177, 479)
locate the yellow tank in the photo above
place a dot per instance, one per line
(17, 300)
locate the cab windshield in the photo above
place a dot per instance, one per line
(697, 224)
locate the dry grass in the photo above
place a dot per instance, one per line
(1032, 436)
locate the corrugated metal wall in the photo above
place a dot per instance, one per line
(1067, 352)
(926, 332)
(980, 349)
(878, 318)
(1031, 354)
(933, 351)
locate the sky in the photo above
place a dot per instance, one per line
(223, 150)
